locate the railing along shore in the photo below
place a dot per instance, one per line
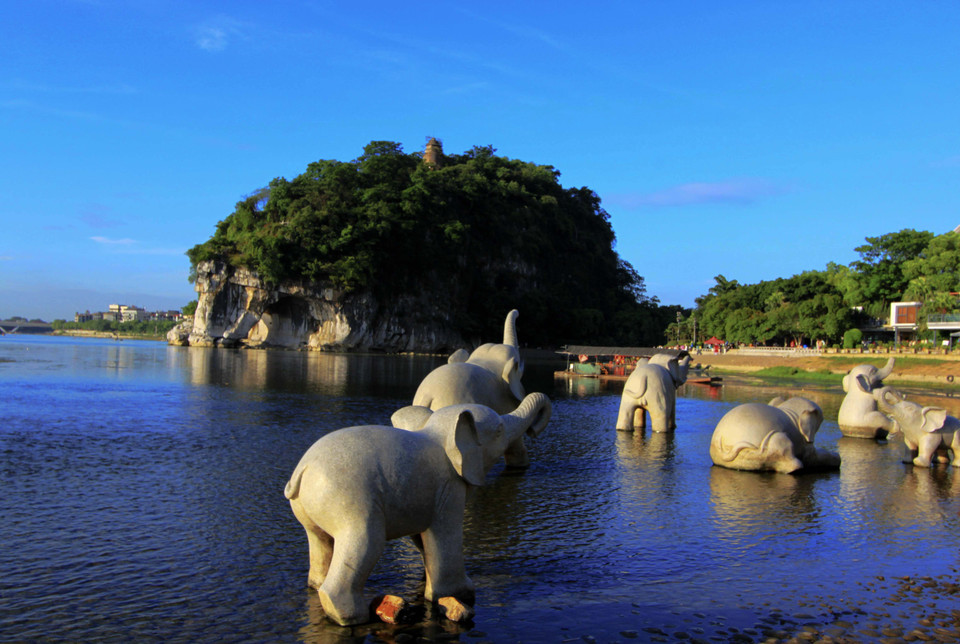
(777, 351)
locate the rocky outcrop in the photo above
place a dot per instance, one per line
(236, 308)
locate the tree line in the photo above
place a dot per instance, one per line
(908, 265)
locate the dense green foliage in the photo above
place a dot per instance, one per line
(826, 305)
(480, 233)
(151, 328)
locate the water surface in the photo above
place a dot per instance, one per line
(143, 500)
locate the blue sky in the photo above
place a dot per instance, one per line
(751, 139)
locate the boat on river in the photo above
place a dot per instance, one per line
(617, 363)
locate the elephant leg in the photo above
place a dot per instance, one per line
(516, 455)
(926, 448)
(640, 418)
(443, 559)
(355, 553)
(625, 419)
(955, 448)
(320, 544)
(660, 422)
(909, 450)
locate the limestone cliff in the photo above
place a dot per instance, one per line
(236, 308)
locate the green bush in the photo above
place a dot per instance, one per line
(852, 339)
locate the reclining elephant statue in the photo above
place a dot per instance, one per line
(858, 416)
(489, 376)
(928, 432)
(777, 436)
(357, 488)
(652, 389)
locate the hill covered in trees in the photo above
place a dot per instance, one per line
(476, 232)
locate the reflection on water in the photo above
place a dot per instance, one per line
(143, 500)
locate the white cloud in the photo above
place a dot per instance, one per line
(734, 191)
(152, 251)
(113, 242)
(216, 34)
(211, 39)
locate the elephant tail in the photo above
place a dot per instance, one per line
(728, 453)
(292, 488)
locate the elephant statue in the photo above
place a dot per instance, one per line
(652, 389)
(489, 376)
(358, 487)
(858, 416)
(678, 365)
(928, 432)
(777, 436)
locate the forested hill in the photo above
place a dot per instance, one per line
(478, 232)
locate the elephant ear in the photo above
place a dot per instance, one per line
(933, 418)
(464, 449)
(512, 373)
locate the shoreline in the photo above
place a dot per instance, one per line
(108, 335)
(941, 370)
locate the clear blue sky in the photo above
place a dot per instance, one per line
(751, 139)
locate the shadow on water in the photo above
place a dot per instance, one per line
(168, 520)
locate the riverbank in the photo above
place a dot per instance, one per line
(934, 370)
(110, 335)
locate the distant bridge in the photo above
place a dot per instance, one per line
(19, 326)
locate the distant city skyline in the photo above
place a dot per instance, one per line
(749, 139)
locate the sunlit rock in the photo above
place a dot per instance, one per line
(236, 308)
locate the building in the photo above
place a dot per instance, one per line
(905, 316)
(126, 313)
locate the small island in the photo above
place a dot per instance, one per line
(419, 252)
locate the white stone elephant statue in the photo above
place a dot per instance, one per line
(858, 416)
(929, 433)
(777, 436)
(489, 376)
(357, 488)
(652, 389)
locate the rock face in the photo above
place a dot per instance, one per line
(235, 308)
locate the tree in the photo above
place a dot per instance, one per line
(880, 279)
(936, 268)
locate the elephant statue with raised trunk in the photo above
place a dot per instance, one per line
(929, 433)
(489, 376)
(652, 389)
(858, 416)
(357, 488)
(777, 436)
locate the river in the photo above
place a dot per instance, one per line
(143, 501)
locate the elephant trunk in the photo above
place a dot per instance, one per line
(886, 370)
(510, 329)
(532, 415)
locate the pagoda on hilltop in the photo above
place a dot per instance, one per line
(433, 153)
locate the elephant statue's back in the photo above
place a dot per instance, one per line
(332, 463)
